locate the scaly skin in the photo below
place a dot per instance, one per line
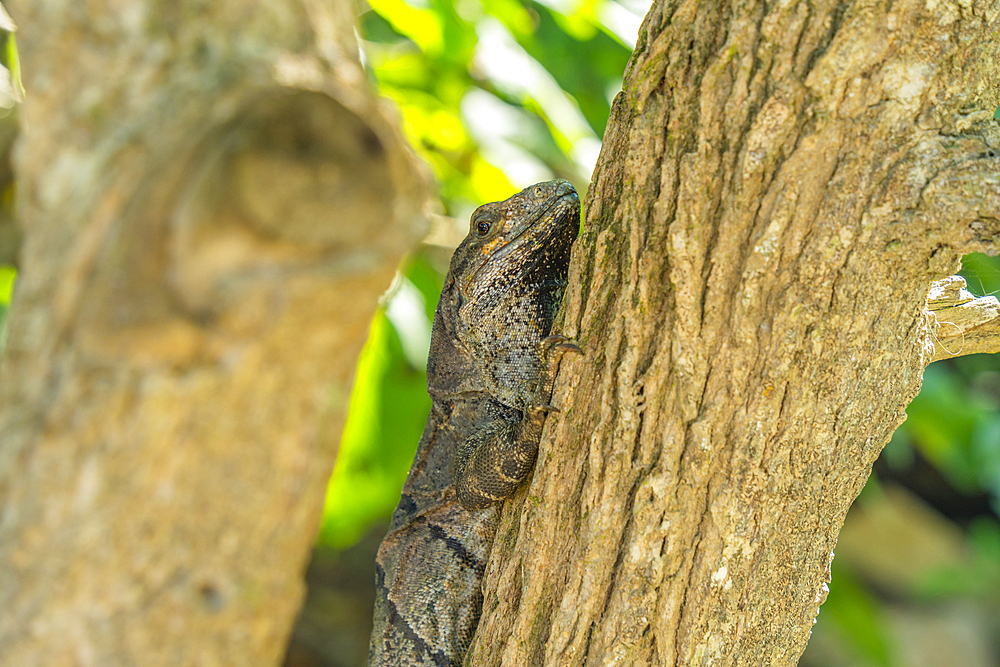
(489, 374)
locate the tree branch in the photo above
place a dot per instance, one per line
(962, 323)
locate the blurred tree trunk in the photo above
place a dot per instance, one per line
(212, 202)
(780, 183)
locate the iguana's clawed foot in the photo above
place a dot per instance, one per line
(562, 343)
(537, 413)
(551, 350)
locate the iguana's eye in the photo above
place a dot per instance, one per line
(482, 222)
(537, 191)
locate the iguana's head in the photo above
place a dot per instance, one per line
(527, 236)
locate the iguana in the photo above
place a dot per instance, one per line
(489, 373)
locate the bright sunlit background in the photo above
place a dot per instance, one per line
(498, 94)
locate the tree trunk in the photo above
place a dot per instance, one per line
(779, 185)
(212, 202)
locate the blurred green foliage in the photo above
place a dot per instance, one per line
(955, 423)
(13, 63)
(979, 578)
(856, 611)
(498, 94)
(7, 276)
(10, 62)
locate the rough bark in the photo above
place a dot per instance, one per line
(780, 184)
(212, 202)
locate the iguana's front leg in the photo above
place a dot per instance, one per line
(493, 461)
